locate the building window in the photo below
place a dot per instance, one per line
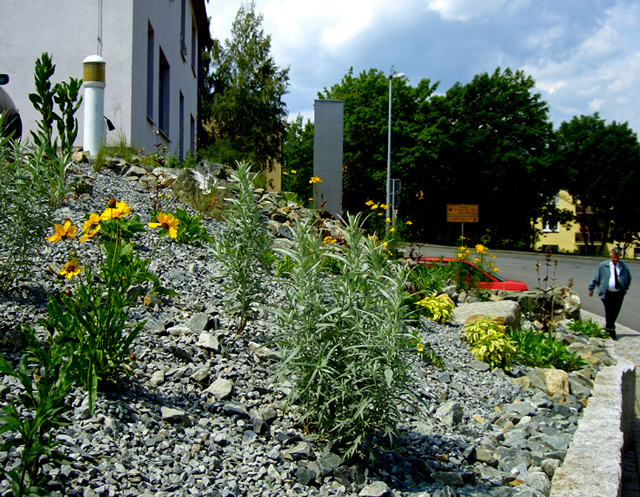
(550, 226)
(150, 64)
(183, 41)
(194, 41)
(164, 92)
(192, 134)
(181, 132)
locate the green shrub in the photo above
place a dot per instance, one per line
(26, 211)
(438, 308)
(489, 343)
(541, 351)
(242, 249)
(190, 229)
(589, 328)
(428, 279)
(66, 97)
(42, 375)
(344, 339)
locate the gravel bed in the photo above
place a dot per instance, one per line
(203, 415)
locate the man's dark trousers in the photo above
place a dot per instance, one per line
(612, 304)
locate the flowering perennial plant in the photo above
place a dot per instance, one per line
(466, 278)
(89, 322)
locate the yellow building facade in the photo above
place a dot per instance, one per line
(569, 238)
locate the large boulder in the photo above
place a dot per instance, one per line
(504, 312)
(554, 304)
(204, 187)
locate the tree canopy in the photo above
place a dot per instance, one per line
(487, 142)
(366, 110)
(244, 115)
(602, 167)
(491, 139)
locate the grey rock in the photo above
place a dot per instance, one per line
(209, 341)
(450, 413)
(157, 378)
(375, 489)
(221, 389)
(175, 416)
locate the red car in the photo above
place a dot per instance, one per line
(486, 279)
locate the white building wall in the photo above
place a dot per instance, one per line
(166, 24)
(68, 30)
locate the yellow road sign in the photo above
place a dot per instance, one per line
(462, 213)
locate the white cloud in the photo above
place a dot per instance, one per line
(465, 10)
(583, 55)
(602, 71)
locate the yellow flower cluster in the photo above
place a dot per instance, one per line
(481, 249)
(314, 180)
(329, 239)
(463, 252)
(166, 222)
(373, 205)
(91, 227)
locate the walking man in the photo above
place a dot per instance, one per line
(612, 280)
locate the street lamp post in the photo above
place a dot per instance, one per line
(397, 75)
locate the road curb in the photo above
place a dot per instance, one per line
(593, 464)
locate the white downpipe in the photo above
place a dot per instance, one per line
(94, 84)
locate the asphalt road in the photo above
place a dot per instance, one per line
(521, 266)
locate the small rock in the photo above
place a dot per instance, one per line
(375, 489)
(175, 416)
(209, 341)
(157, 378)
(221, 389)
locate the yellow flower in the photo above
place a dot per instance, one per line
(493, 256)
(115, 210)
(93, 220)
(388, 220)
(392, 230)
(166, 222)
(380, 213)
(476, 261)
(369, 203)
(90, 233)
(383, 206)
(420, 348)
(481, 249)
(329, 239)
(409, 223)
(314, 180)
(384, 244)
(67, 230)
(71, 269)
(293, 171)
(310, 199)
(285, 173)
(374, 207)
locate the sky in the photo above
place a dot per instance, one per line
(584, 55)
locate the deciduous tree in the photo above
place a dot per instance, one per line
(243, 113)
(602, 164)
